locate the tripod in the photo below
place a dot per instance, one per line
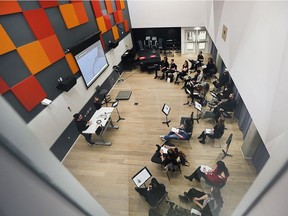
(115, 105)
(117, 70)
(167, 121)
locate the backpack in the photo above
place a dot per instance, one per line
(182, 159)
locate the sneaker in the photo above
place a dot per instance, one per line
(162, 138)
(158, 147)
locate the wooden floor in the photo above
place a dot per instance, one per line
(106, 171)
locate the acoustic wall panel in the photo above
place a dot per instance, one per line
(39, 23)
(107, 21)
(122, 4)
(9, 7)
(34, 56)
(101, 24)
(6, 44)
(3, 86)
(118, 5)
(80, 12)
(52, 48)
(116, 17)
(126, 25)
(115, 32)
(109, 6)
(48, 4)
(120, 14)
(29, 92)
(72, 63)
(96, 8)
(69, 15)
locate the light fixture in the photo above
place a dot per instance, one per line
(197, 28)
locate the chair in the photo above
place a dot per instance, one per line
(154, 43)
(160, 45)
(140, 45)
(147, 42)
(216, 138)
(171, 168)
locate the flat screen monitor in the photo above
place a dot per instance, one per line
(92, 62)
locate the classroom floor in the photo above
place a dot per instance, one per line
(106, 171)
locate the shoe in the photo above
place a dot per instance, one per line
(186, 194)
(158, 147)
(183, 198)
(162, 138)
(188, 177)
(155, 77)
(202, 141)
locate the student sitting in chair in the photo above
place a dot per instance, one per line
(216, 177)
(183, 132)
(164, 65)
(183, 73)
(165, 154)
(153, 193)
(172, 69)
(216, 132)
(206, 203)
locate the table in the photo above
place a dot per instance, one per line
(102, 119)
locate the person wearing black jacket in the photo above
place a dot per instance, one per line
(82, 124)
(216, 132)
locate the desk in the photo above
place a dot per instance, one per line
(101, 118)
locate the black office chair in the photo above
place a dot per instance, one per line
(154, 43)
(140, 45)
(172, 168)
(160, 45)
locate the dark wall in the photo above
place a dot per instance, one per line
(12, 68)
(164, 33)
(70, 134)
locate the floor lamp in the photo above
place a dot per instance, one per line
(115, 105)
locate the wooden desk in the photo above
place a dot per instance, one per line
(101, 118)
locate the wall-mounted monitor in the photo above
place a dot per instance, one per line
(90, 58)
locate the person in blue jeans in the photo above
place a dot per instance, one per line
(184, 132)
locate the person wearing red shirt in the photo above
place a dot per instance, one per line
(216, 177)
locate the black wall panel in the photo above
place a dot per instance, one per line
(12, 68)
(19, 31)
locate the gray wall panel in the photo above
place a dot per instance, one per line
(12, 68)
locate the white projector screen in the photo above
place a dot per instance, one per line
(92, 62)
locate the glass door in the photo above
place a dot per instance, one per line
(196, 40)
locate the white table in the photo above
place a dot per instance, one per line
(101, 118)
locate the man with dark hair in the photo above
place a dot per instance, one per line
(82, 124)
(97, 103)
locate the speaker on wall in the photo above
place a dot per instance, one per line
(113, 44)
(67, 83)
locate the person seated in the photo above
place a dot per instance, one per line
(97, 103)
(223, 79)
(82, 124)
(224, 94)
(183, 73)
(196, 79)
(172, 69)
(214, 114)
(153, 193)
(164, 65)
(228, 105)
(197, 63)
(210, 69)
(215, 132)
(183, 132)
(216, 177)
(206, 203)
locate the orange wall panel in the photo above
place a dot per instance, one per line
(108, 6)
(72, 63)
(3, 86)
(34, 56)
(96, 8)
(9, 7)
(122, 3)
(101, 24)
(69, 15)
(126, 25)
(115, 32)
(80, 12)
(6, 44)
(52, 48)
